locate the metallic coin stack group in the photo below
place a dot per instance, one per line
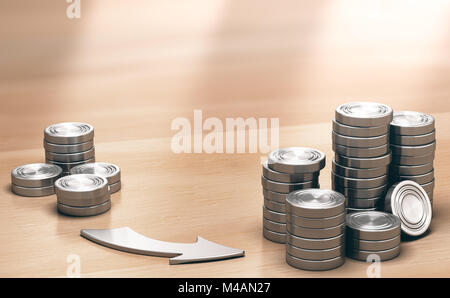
(82, 195)
(35, 180)
(110, 171)
(413, 144)
(286, 170)
(69, 144)
(372, 234)
(362, 155)
(315, 229)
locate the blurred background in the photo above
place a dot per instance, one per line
(137, 65)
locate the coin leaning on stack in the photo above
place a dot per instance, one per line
(360, 170)
(372, 233)
(413, 145)
(110, 171)
(315, 229)
(82, 195)
(35, 180)
(69, 144)
(286, 170)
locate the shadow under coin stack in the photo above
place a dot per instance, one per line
(82, 195)
(315, 229)
(372, 233)
(110, 171)
(413, 145)
(360, 170)
(286, 170)
(34, 180)
(69, 144)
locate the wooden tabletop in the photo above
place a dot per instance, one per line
(130, 70)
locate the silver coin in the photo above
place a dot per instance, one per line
(315, 203)
(108, 170)
(367, 245)
(274, 236)
(35, 175)
(32, 191)
(383, 255)
(275, 196)
(278, 217)
(364, 114)
(413, 150)
(75, 148)
(315, 254)
(315, 265)
(413, 140)
(84, 211)
(82, 190)
(315, 233)
(316, 223)
(274, 206)
(67, 166)
(363, 132)
(287, 178)
(359, 183)
(69, 133)
(408, 123)
(70, 157)
(365, 203)
(428, 187)
(360, 193)
(372, 225)
(308, 243)
(359, 142)
(274, 226)
(409, 201)
(364, 163)
(354, 210)
(361, 152)
(286, 187)
(398, 170)
(359, 173)
(413, 160)
(420, 179)
(115, 187)
(296, 160)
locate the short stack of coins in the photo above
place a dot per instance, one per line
(69, 144)
(82, 195)
(413, 145)
(35, 180)
(286, 170)
(362, 155)
(372, 234)
(110, 171)
(315, 229)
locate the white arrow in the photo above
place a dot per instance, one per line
(125, 239)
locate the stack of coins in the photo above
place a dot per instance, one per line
(82, 195)
(286, 170)
(110, 171)
(410, 202)
(372, 233)
(69, 144)
(362, 156)
(315, 229)
(34, 180)
(413, 143)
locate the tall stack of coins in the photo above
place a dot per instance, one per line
(362, 155)
(286, 170)
(315, 229)
(413, 143)
(82, 195)
(69, 144)
(372, 233)
(110, 171)
(35, 180)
